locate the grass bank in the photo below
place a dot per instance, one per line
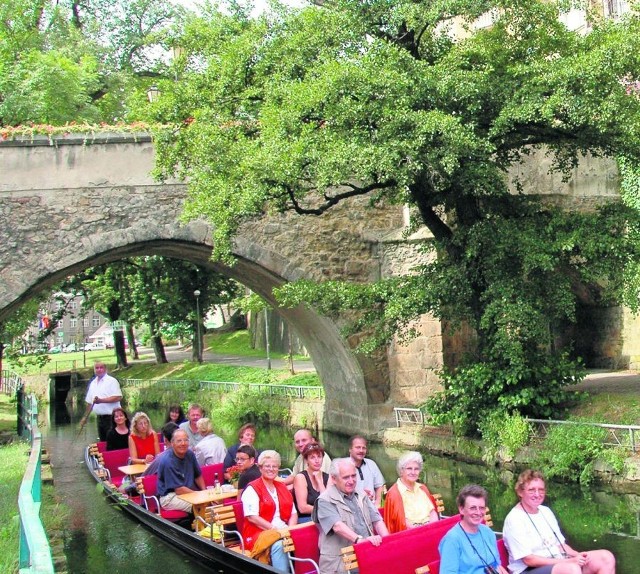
(14, 456)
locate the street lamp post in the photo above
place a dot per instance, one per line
(196, 294)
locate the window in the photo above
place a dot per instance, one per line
(73, 323)
(95, 321)
(85, 322)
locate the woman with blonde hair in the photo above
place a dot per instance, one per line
(143, 440)
(268, 505)
(211, 448)
(534, 540)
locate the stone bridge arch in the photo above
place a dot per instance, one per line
(73, 202)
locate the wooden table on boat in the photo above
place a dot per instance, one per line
(133, 469)
(200, 499)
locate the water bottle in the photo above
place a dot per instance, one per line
(216, 484)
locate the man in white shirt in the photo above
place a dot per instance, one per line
(103, 396)
(370, 479)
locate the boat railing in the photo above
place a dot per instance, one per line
(293, 391)
(34, 551)
(626, 436)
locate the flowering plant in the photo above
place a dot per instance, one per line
(234, 472)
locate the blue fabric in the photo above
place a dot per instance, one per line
(279, 560)
(174, 472)
(457, 555)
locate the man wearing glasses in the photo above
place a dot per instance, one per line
(246, 462)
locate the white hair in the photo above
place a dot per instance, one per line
(407, 457)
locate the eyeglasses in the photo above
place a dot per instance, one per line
(536, 490)
(242, 459)
(270, 466)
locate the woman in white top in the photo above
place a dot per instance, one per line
(534, 540)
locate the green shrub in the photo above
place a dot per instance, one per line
(570, 451)
(251, 405)
(503, 434)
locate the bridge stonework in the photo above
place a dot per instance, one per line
(74, 202)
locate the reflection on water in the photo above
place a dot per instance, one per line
(100, 538)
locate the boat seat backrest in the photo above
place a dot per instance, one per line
(112, 459)
(305, 541)
(402, 552)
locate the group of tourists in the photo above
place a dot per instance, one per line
(342, 496)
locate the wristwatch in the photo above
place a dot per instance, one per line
(357, 538)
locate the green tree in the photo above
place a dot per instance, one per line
(306, 109)
(82, 61)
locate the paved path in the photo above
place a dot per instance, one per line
(618, 382)
(184, 354)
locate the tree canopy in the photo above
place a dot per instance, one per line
(410, 102)
(81, 61)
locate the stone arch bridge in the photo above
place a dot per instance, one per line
(72, 202)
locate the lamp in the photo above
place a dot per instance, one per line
(153, 93)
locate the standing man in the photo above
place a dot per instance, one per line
(370, 478)
(178, 473)
(344, 516)
(190, 426)
(301, 439)
(103, 396)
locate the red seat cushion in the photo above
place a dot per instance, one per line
(403, 552)
(305, 541)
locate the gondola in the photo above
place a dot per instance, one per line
(203, 550)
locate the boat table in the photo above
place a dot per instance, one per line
(133, 469)
(200, 499)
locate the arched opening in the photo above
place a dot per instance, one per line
(259, 269)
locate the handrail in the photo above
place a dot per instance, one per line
(10, 382)
(35, 551)
(296, 391)
(413, 416)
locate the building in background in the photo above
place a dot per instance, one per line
(75, 327)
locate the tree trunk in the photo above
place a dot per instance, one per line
(121, 352)
(133, 349)
(158, 349)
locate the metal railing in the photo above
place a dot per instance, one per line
(291, 391)
(35, 551)
(626, 436)
(617, 435)
(10, 382)
(408, 416)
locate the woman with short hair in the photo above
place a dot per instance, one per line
(268, 505)
(470, 547)
(408, 503)
(534, 540)
(311, 482)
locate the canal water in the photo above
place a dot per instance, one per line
(100, 538)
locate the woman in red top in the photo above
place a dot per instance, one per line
(143, 441)
(268, 505)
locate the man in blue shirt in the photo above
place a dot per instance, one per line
(178, 473)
